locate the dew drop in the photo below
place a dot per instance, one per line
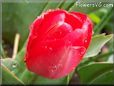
(60, 32)
(59, 65)
(45, 47)
(54, 68)
(81, 53)
(80, 49)
(50, 48)
(51, 71)
(85, 40)
(69, 42)
(14, 65)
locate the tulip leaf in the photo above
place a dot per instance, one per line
(16, 65)
(9, 63)
(0, 75)
(91, 73)
(9, 77)
(17, 18)
(98, 41)
(2, 53)
(52, 5)
(94, 18)
(105, 78)
(68, 4)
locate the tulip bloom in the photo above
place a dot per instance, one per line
(57, 42)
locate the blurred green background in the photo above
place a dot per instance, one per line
(97, 66)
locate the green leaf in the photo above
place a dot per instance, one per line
(68, 4)
(17, 18)
(9, 77)
(111, 58)
(52, 5)
(16, 65)
(10, 63)
(2, 52)
(105, 78)
(0, 75)
(96, 44)
(94, 18)
(91, 71)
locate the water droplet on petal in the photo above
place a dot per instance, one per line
(60, 23)
(59, 65)
(50, 48)
(60, 33)
(51, 71)
(45, 46)
(85, 41)
(80, 49)
(81, 53)
(54, 68)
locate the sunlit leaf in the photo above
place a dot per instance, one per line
(96, 44)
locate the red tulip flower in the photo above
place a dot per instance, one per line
(57, 42)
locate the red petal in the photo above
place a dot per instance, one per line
(82, 17)
(76, 37)
(51, 18)
(74, 21)
(69, 60)
(36, 25)
(86, 28)
(55, 58)
(45, 55)
(60, 30)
